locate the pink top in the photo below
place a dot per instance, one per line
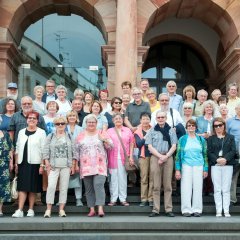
(127, 139)
(92, 155)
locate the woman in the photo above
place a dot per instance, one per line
(223, 112)
(154, 104)
(73, 129)
(96, 109)
(116, 104)
(28, 157)
(63, 103)
(9, 108)
(38, 105)
(187, 112)
(103, 97)
(6, 165)
(216, 93)
(221, 152)
(52, 109)
(78, 94)
(90, 151)
(121, 137)
(189, 94)
(191, 167)
(126, 98)
(161, 141)
(58, 156)
(88, 101)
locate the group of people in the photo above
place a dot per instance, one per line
(52, 143)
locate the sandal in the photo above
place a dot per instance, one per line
(125, 204)
(111, 204)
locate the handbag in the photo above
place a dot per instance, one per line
(128, 167)
(14, 192)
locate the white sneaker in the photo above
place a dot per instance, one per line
(18, 214)
(218, 214)
(30, 213)
(79, 203)
(227, 214)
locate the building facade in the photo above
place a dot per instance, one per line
(197, 40)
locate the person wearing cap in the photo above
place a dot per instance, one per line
(12, 92)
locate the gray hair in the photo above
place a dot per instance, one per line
(171, 82)
(78, 91)
(90, 116)
(208, 102)
(163, 94)
(202, 90)
(61, 87)
(188, 104)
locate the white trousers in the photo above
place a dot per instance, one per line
(118, 183)
(191, 189)
(222, 178)
(63, 174)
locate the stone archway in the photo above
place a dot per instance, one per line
(16, 16)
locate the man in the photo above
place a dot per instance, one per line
(202, 97)
(135, 109)
(77, 105)
(176, 100)
(144, 85)
(233, 127)
(50, 94)
(233, 100)
(12, 92)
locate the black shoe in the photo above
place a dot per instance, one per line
(143, 204)
(233, 203)
(170, 214)
(150, 203)
(153, 214)
(196, 214)
(175, 194)
(187, 214)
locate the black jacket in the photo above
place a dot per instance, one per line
(229, 149)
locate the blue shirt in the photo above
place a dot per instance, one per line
(233, 127)
(4, 124)
(176, 102)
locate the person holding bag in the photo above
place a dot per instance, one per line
(118, 156)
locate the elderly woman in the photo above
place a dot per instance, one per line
(216, 93)
(63, 103)
(28, 157)
(9, 108)
(123, 142)
(187, 112)
(38, 105)
(6, 165)
(191, 167)
(96, 109)
(126, 98)
(161, 141)
(90, 151)
(154, 104)
(88, 101)
(116, 104)
(73, 129)
(221, 156)
(58, 156)
(223, 110)
(78, 94)
(103, 97)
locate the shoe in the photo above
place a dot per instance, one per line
(91, 214)
(18, 214)
(62, 213)
(186, 214)
(153, 214)
(233, 203)
(47, 214)
(79, 203)
(30, 213)
(150, 203)
(101, 214)
(111, 204)
(196, 214)
(143, 204)
(1, 214)
(169, 214)
(218, 214)
(125, 204)
(227, 214)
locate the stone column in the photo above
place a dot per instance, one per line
(9, 62)
(126, 44)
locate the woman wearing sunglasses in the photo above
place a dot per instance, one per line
(221, 152)
(59, 163)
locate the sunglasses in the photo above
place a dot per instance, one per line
(218, 125)
(191, 125)
(160, 117)
(61, 123)
(117, 102)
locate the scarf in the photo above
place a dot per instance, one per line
(165, 132)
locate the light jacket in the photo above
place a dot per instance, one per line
(35, 146)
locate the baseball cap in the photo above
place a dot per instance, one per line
(12, 85)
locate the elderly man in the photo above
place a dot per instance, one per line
(144, 85)
(202, 97)
(176, 100)
(77, 105)
(12, 92)
(233, 127)
(233, 99)
(50, 94)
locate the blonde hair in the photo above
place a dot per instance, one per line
(72, 112)
(58, 119)
(38, 87)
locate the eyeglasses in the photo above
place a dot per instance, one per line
(117, 102)
(60, 123)
(32, 118)
(164, 100)
(136, 94)
(191, 125)
(171, 86)
(92, 122)
(187, 108)
(26, 104)
(160, 117)
(50, 86)
(218, 125)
